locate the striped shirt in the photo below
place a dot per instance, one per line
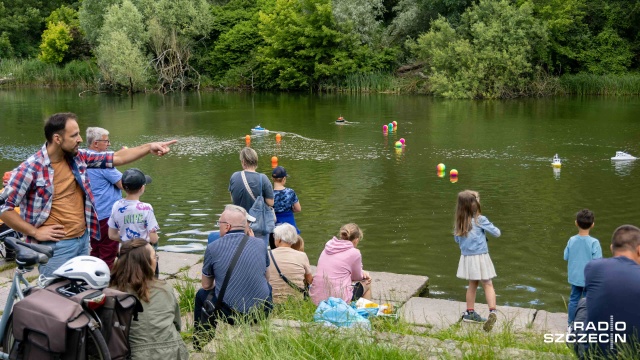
(31, 187)
(248, 285)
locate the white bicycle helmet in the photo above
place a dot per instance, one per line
(91, 270)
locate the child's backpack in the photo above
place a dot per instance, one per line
(116, 314)
(49, 326)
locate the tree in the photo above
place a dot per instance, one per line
(63, 40)
(361, 18)
(492, 54)
(608, 53)
(91, 16)
(119, 52)
(302, 45)
(55, 43)
(21, 25)
(414, 17)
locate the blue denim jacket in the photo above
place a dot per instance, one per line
(475, 243)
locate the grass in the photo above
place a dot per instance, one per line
(187, 290)
(33, 72)
(7, 266)
(390, 338)
(589, 84)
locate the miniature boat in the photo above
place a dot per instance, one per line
(622, 156)
(259, 130)
(341, 120)
(556, 162)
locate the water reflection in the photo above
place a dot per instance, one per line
(623, 168)
(556, 173)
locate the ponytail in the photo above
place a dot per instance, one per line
(350, 232)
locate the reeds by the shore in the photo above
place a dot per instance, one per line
(375, 82)
(589, 84)
(33, 72)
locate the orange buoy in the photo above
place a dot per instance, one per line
(274, 161)
(247, 139)
(278, 137)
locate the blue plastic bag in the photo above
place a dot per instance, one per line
(337, 312)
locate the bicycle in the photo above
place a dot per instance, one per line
(5, 232)
(27, 256)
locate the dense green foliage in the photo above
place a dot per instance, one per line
(491, 54)
(451, 48)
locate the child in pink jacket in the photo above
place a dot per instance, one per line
(339, 273)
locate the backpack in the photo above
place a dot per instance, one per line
(116, 314)
(49, 326)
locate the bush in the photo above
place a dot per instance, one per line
(55, 42)
(490, 55)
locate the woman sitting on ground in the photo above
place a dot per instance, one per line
(293, 264)
(156, 334)
(339, 273)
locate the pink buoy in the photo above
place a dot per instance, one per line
(385, 128)
(401, 140)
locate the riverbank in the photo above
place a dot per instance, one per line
(85, 75)
(424, 328)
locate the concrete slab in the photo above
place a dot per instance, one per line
(4, 293)
(441, 314)
(8, 273)
(394, 288)
(546, 322)
(171, 263)
(195, 272)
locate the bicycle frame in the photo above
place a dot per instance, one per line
(16, 291)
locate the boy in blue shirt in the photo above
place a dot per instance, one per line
(580, 249)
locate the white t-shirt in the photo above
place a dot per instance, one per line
(133, 219)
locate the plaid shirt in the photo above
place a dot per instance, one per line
(31, 187)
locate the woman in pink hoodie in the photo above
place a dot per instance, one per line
(339, 266)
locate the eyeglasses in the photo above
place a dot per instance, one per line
(108, 141)
(228, 223)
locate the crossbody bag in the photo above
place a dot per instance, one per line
(304, 291)
(210, 309)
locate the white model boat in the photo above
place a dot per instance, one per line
(622, 156)
(259, 130)
(556, 162)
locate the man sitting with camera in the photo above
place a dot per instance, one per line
(234, 275)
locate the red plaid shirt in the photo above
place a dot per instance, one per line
(31, 187)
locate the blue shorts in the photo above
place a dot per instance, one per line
(63, 251)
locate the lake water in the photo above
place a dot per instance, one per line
(353, 173)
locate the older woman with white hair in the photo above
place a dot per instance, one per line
(289, 271)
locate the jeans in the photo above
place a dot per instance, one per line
(577, 292)
(63, 251)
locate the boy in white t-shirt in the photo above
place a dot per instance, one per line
(131, 218)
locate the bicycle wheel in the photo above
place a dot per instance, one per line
(7, 342)
(96, 346)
